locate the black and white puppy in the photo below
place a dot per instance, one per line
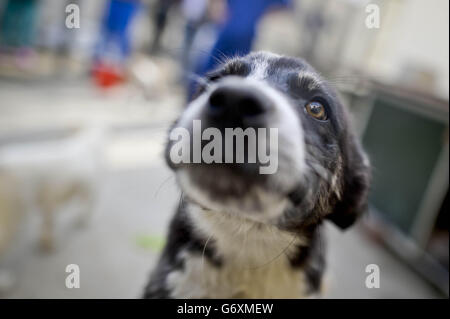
(241, 234)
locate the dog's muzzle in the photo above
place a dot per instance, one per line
(266, 148)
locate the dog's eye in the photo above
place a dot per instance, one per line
(316, 110)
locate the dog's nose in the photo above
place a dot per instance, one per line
(236, 104)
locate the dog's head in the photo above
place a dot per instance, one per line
(297, 161)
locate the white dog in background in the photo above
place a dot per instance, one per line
(41, 178)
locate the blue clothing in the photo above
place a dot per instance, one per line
(236, 36)
(115, 26)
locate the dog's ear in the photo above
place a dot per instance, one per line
(355, 185)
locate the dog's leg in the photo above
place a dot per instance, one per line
(46, 206)
(87, 195)
(11, 213)
(50, 199)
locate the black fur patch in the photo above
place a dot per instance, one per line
(181, 237)
(311, 259)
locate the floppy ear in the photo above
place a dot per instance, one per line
(356, 179)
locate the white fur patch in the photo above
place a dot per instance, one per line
(260, 65)
(254, 255)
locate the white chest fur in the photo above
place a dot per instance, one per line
(254, 255)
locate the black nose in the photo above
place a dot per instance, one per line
(236, 104)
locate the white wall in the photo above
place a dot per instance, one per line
(412, 32)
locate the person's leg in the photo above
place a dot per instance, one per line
(123, 33)
(230, 42)
(27, 21)
(17, 24)
(189, 35)
(160, 21)
(7, 24)
(114, 32)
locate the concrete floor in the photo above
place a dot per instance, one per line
(120, 245)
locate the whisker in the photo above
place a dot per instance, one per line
(278, 255)
(203, 258)
(197, 78)
(162, 184)
(219, 56)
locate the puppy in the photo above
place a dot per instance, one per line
(239, 233)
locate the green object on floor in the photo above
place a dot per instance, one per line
(152, 242)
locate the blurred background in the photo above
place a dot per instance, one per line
(87, 93)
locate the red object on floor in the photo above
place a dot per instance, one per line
(106, 75)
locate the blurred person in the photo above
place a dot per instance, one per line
(161, 12)
(238, 32)
(203, 21)
(314, 23)
(68, 49)
(194, 12)
(17, 29)
(114, 45)
(54, 34)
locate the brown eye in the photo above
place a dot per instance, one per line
(316, 110)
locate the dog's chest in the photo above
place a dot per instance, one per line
(254, 263)
(200, 279)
